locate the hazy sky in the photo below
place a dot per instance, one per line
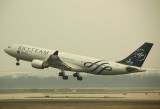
(105, 29)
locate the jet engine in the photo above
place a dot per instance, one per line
(39, 64)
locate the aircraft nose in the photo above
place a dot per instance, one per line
(10, 50)
(5, 50)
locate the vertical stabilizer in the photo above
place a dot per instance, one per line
(138, 57)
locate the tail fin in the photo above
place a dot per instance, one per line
(138, 57)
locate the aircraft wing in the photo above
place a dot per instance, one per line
(55, 61)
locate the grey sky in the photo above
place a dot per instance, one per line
(107, 29)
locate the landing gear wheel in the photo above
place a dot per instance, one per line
(65, 77)
(17, 63)
(79, 78)
(75, 74)
(61, 73)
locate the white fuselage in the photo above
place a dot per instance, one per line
(77, 63)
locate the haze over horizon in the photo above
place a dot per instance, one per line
(33, 80)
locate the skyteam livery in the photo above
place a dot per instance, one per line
(41, 58)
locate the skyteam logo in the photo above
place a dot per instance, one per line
(130, 62)
(140, 55)
(98, 66)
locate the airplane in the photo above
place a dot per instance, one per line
(41, 58)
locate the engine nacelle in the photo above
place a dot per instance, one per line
(39, 64)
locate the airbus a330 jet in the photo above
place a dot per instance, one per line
(41, 58)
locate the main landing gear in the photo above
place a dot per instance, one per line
(62, 73)
(17, 63)
(78, 76)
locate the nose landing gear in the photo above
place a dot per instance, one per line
(17, 63)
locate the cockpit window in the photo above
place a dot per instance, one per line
(9, 47)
